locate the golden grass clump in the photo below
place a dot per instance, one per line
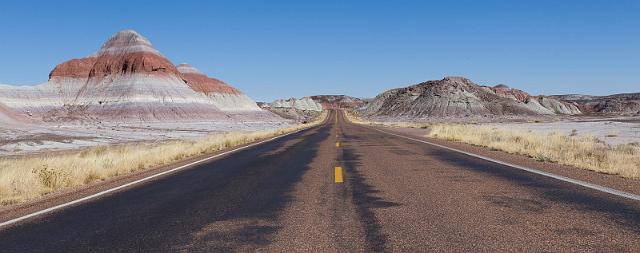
(579, 151)
(29, 177)
(352, 117)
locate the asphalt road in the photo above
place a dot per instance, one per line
(397, 195)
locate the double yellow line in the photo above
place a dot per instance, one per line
(338, 170)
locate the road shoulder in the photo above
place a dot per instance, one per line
(607, 180)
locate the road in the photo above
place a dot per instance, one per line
(397, 195)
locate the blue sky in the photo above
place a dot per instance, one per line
(273, 49)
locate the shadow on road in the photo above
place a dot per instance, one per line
(230, 204)
(625, 213)
(365, 199)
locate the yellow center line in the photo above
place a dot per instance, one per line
(338, 175)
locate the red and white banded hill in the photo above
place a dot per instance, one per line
(127, 80)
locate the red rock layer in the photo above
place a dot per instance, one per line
(137, 62)
(107, 64)
(202, 83)
(518, 94)
(76, 68)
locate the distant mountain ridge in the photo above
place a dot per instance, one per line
(617, 104)
(460, 97)
(305, 103)
(303, 109)
(338, 101)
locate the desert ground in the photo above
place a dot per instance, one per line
(32, 139)
(613, 131)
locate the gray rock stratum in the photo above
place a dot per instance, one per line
(459, 97)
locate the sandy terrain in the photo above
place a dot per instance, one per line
(613, 132)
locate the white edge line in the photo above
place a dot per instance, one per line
(60, 206)
(539, 172)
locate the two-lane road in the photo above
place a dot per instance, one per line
(282, 195)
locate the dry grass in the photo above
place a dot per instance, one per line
(30, 177)
(359, 120)
(355, 119)
(582, 152)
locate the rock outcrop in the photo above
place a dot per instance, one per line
(338, 101)
(303, 109)
(459, 97)
(627, 104)
(128, 80)
(305, 104)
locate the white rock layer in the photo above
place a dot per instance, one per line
(305, 103)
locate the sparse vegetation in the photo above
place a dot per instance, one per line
(580, 151)
(353, 117)
(574, 132)
(30, 177)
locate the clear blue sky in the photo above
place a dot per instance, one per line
(272, 49)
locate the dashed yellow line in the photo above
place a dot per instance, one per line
(339, 178)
